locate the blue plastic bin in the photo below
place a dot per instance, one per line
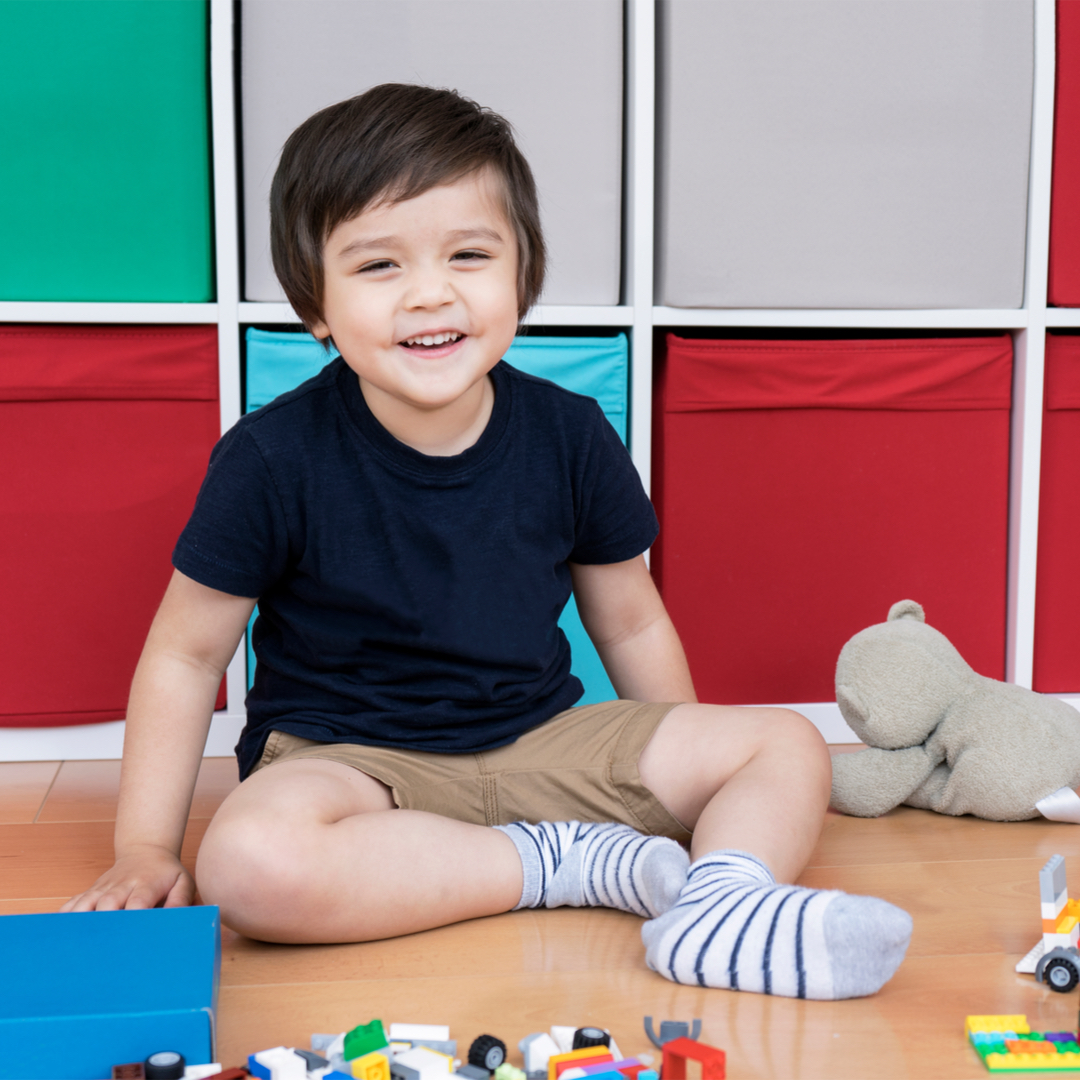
(277, 361)
(84, 992)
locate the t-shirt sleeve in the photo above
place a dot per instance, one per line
(615, 519)
(236, 539)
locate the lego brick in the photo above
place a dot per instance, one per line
(536, 1049)
(587, 1055)
(472, 1072)
(364, 1038)
(678, 1051)
(1024, 1062)
(1014, 1022)
(422, 1032)
(426, 1062)
(313, 1060)
(131, 1071)
(561, 1033)
(281, 1063)
(373, 1066)
(1052, 880)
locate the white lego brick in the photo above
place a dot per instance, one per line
(1030, 962)
(1052, 911)
(564, 1038)
(439, 1032)
(1062, 941)
(283, 1063)
(536, 1049)
(427, 1062)
(201, 1072)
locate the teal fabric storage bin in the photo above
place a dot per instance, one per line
(104, 120)
(276, 362)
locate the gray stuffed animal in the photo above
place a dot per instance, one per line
(942, 737)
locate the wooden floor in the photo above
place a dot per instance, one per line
(971, 886)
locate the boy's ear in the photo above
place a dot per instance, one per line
(319, 330)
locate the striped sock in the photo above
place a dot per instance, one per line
(733, 927)
(576, 864)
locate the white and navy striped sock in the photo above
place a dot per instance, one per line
(590, 864)
(733, 927)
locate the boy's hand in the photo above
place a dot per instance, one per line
(144, 879)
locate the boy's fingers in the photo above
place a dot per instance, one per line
(182, 893)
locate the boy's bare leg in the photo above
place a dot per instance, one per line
(314, 851)
(755, 779)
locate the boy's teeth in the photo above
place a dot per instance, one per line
(432, 339)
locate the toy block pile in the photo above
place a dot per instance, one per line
(1007, 1044)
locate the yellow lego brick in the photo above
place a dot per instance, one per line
(373, 1066)
(1019, 1024)
(1022, 1062)
(1065, 924)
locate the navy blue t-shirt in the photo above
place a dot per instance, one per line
(407, 600)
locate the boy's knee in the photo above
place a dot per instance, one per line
(255, 874)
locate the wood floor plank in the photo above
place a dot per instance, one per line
(976, 906)
(64, 858)
(909, 835)
(23, 787)
(35, 906)
(530, 942)
(88, 790)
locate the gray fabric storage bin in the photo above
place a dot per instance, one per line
(553, 68)
(843, 153)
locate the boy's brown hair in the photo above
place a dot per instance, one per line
(395, 141)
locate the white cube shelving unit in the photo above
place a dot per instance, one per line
(639, 315)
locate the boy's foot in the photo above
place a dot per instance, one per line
(733, 927)
(575, 864)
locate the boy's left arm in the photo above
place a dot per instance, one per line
(626, 619)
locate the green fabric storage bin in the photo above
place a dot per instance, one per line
(104, 120)
(278, 361)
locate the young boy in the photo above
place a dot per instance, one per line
(411, 522)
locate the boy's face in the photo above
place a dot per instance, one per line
(420, 296)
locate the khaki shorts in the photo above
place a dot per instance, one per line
(579, 766)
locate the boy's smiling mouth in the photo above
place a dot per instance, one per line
(439, 342)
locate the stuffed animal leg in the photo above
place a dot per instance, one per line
(871, 782)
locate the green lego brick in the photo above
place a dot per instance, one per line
(365, 1038)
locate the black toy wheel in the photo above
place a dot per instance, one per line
(1061, 975)
(590, 1036)
(487, 1052)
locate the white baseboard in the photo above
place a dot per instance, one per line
(97, 742)
(826, 717)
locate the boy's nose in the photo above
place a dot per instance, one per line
(430, 289)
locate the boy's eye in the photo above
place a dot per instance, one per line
(466, 255)
(379, 264)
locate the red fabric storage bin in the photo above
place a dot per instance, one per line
(1064, 282)
(805, 486)
(1057, 586)
(105, 433)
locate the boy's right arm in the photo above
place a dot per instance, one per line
(193, 637)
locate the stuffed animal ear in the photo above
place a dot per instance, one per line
(906, 609)
(895, 680)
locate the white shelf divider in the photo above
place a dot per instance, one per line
(227, 265)
(89, 311)
(1030, 353)
(835, 319)
(639, 213)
